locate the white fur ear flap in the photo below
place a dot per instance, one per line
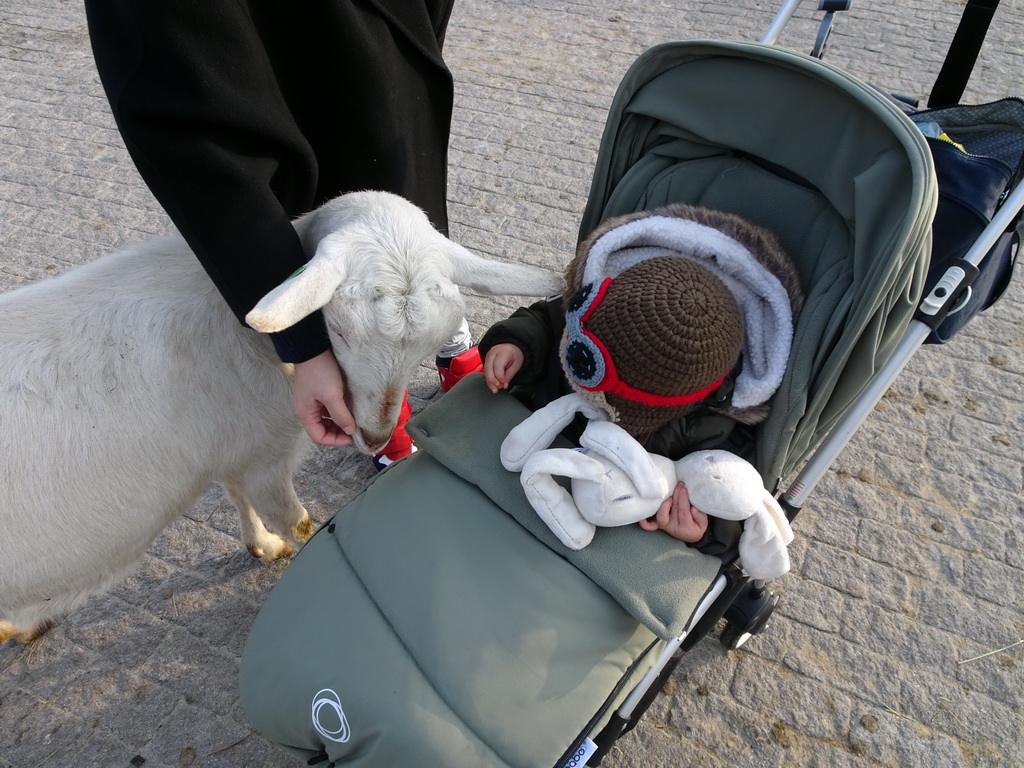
(538, 430)
(498, 278)
(306, 291)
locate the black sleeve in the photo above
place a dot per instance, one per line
(697, 430)
(195, 101)
(537, 331)
(720, 537)
(241, 116)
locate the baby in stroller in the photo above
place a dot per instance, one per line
(676, 325)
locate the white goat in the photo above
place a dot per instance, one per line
(129, 387)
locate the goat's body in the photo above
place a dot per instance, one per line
(136, 388)
(128, 387)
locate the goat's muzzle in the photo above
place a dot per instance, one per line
(374, 441)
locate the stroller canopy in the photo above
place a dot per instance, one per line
(800, 147)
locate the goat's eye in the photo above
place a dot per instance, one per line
(336, 330)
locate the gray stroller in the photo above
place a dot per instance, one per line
(436, 621)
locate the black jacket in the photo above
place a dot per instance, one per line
(537, 330)
(243, 114)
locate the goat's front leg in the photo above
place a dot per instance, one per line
(270, 491)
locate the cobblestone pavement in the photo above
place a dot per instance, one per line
(898, 639)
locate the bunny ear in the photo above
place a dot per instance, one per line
(778, 517)
(539, 429)
(551, 501)
(762, 548)
(617, 446)
(306, 291)
(763, 542)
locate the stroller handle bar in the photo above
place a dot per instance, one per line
(789, 8)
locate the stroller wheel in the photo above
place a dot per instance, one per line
(734, 637)
(747, 616)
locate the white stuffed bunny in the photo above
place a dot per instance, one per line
(614, 481)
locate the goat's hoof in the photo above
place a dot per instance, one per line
(303, 529)
(286, 549)
(9, 632)
(269, 554)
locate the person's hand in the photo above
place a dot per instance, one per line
(678, 517)
(318, 399)
(501, 365)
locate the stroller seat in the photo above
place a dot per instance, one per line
(821, 159)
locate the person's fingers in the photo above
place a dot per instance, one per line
(511, 360)
(335, 411)
(501, 364)
(653, 522)
(511, 370)
(318, 399)
(490, 375)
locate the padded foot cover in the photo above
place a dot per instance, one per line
(403, 635)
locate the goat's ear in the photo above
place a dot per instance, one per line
(306, 291)
(497, 278)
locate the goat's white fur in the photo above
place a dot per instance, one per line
(129, 387)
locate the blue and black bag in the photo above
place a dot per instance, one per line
(978, 151)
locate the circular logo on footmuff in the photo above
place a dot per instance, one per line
(329, 718)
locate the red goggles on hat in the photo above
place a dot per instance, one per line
(589, 365)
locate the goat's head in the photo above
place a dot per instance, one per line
(388, 285)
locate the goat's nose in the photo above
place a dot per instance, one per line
(374, 441)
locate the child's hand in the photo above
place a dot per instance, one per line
(678, 517)
(502, 363)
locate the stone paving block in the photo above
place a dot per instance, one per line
(670, 749)
(996, 582)
(963, 615)
(958, 528)
(825, 524)
(117, 629)
(856, 576)
(814, 710)
(923, 646)
(35, 731)
(891, 546)
(715, 723)
(123, 704)
(814, 604)
(185, 540)
(894, 740)
(865, 673)
(192, 601)
(981, 725)
(193, 735)
(195, 670)
(994, 672)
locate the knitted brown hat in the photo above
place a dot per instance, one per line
(657, 338)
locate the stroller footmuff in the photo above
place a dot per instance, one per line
(447, 630)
